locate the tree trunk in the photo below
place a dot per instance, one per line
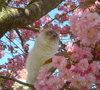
(11, 18)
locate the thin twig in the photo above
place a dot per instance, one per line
(18, 81)
(4, 84)
(18, 33)
(15, 44)
(59, 16)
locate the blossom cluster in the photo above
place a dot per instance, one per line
(80, 68)
(47, 82)
(80, 76)
(86, 27)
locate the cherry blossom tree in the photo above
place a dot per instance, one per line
(77, 59)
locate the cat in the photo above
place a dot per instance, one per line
(46, 46)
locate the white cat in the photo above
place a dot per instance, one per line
(45, 47)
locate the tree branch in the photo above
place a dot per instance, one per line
(60, 16)
(30, 28)
(11, 18)
(15, 80)
(18, 33)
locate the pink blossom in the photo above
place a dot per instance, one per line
(73, 23)
(63, 19)
(43, 74)
(45, 19)
(2, 54)
(69, 46)
(78, 81)
(27, 34)
(79, 53)
(12, 35)
(2, 47)
(64, 31)
(37, 24)
(66, 75)
(26, 47)
(40, 86)
(60, 7)
(90, 79)
(59, 62)
(95, 67)
(82, 65)
(55, 83)
(85, 27)
(47, 82)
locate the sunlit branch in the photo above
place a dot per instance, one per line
(18, 81)
(30, 28)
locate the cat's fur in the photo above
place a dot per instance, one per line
(45, 47)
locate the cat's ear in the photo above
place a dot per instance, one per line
(47, 28)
